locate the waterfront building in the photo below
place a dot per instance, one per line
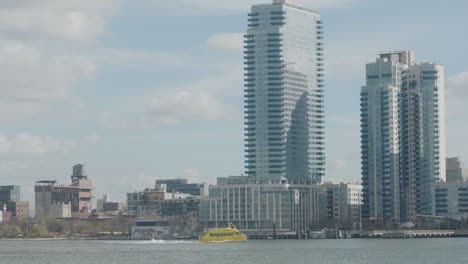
(344, 203)
(19, 210)
(60, 210)
(160, 202)
(422, 138)
(284, 128)
(78, 195)
(10, 193)
(264, 207)
(110, 208)
(181, 226)
(10, 200)
(100, 204)
(379, 136)
(402, 137)
(284, 93)
(182, 186)
(450, 199)
(143, 203)
(456, 171)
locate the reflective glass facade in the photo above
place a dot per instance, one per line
(402, 137)
(284, 104)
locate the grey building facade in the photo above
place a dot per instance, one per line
(10, 193)
(450, 199)
(183, 186)
(267, 207)
(284, 93)
(422, 138)
(379, 136)
(344, 203)
(456, 171)
(402, 137)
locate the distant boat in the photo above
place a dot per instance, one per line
(228, 234)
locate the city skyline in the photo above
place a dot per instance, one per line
(97, 98)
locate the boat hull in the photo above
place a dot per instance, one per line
(223, 235)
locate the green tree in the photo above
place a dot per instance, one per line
(39, 230)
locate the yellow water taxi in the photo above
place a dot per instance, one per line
(228, 234)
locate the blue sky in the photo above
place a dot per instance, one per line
(144, 89)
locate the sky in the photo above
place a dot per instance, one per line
(139, 90)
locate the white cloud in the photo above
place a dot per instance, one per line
(180, 106)
(72, 20)
(457, 85)
(344, 121)
(138, 183)
(456, 95)
(226, 81)
(26, 144)
(228, 42)
(153, 59)
(172, 108)
(7, 165)
(349, 60)
(345, 65)
(28, 74)
(41, 60)
(338, 165)
(91, 139)
(202, 99)
(216, 6)
(193, 175)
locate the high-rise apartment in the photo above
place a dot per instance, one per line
(379, 135)
(402, 137)
(284, 90)
(422, 138)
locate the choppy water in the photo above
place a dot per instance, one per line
(424, 251)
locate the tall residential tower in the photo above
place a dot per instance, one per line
(402, 136)
(284, 107)
(379, 135)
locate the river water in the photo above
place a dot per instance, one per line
(351, 251)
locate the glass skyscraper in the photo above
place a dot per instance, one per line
(284, 94)
(379, 136)
(402, 137)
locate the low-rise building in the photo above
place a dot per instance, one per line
(100, 204)
(263, 207)
(145, 203)
(343, 204)
(10, 193)
(111, 208)
(10, 200)
(78, 194)
(456, 171)
(19, 210)
(182, 186)
(164, 200)
(450, 199)
(61, 210)
(166, 227)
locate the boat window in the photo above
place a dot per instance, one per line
(222, 234)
